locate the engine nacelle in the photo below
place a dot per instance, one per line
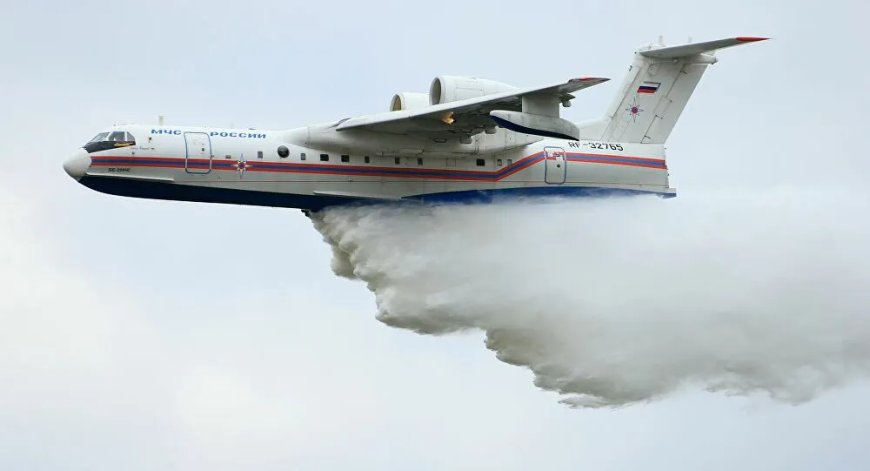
(447, 88)
(409, 101)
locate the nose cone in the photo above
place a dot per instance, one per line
(78, 164)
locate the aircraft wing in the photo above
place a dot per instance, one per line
(463, 118)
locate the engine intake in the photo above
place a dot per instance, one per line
(409, 101)
(447, 88)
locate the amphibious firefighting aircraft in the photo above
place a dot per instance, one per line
(468, 139)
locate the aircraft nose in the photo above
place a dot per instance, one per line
(78, 164)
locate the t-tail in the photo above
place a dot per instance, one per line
(655, 91)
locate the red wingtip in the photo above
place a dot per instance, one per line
(750, 39)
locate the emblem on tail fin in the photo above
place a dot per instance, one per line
(662, 78)
(634, 110)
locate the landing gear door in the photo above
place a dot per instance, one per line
(555, 165)
(198, 152)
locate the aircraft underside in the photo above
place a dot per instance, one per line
(216, 194)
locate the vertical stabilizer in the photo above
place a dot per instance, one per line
(655, 91)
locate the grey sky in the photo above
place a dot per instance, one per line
(141, 335)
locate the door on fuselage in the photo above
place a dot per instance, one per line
(555, 165)
(198, 152)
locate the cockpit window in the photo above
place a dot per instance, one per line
(99, 137)
(110, 140)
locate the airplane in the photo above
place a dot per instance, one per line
(467, 140)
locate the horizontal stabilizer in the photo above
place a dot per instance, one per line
(686, 50)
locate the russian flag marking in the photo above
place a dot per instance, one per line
(648, 87)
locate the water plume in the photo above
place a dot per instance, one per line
(616, 301)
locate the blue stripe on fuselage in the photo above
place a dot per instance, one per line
(171, 191)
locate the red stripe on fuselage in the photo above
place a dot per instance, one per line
(373, 171)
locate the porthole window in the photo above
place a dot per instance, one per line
(324, 157)
(345, 158)
(302, 156)
(419, 160)
(398, 161)
(259, 154)
(481, 162)
(367, 159)
(283, 152)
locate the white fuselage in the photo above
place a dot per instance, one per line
(468, 139)
(280, 168)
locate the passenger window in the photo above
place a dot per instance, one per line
(302, 156)
(398, 160)
(259, 154)
(419, 161)
(510, 162)
(345, 158)
(367, 159)
(324, 157)
(498, 162)
(481, 162)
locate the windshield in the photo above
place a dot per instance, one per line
(99, 137)
(110, 140)
(120, 136)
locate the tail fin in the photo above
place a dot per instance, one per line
(655, 91)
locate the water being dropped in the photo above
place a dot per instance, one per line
(617, 301)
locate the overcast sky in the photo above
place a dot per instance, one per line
(161, 335)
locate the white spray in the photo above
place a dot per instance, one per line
(615, 301)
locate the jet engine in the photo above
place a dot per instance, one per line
(409, 101)
(447, 88)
